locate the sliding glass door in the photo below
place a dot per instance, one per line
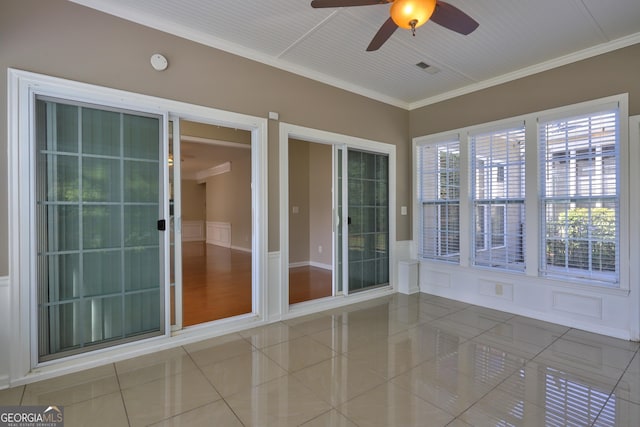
(368, 220)
(99, 251)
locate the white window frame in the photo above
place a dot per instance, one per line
(621, 151)
(532, 227)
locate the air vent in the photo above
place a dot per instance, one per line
(428, 68)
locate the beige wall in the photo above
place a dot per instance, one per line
(299, 197)
(229, 200)
(193, 200)
(310, 181)
(63, 39)
(320, 203)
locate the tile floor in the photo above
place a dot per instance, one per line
(413, 360)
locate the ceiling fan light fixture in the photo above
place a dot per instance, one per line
(410, 14)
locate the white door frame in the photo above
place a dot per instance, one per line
(177, 225)
(287, 131)
(23, 86)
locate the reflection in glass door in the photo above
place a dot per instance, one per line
(99, 276)
(368, 220)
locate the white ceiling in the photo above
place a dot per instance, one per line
(515, 38)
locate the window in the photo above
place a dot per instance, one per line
(580, 196)
(439, 198)
(498, 195)
(472, 195)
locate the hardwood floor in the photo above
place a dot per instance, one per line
(308, 283)
(216, 283)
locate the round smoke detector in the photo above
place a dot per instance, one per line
(159, 62)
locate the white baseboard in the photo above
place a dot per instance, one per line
(299, 264)
(310, 264)
(320, 265)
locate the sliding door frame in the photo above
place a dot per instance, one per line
(23, 88)
(176, 223)
(289, 131)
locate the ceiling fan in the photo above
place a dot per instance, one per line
(410, 14)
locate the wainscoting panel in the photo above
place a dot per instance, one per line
(219, 233)
(437, 278)
(603, 311)
(578, 304)
(193, 231)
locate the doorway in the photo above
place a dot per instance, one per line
(211, 195)
(310, 222)
(361, 174)
(89, 219)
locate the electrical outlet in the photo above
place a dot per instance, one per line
(319, 249)
(499, 289)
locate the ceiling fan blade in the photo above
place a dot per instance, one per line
(453, 18)
(382, 35)
(345, 3)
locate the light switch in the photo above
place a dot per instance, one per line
(403, 210)
(295, 209)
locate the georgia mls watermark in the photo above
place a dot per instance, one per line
(31, 416)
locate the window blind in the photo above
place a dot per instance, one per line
(580, 196)
(439, 197)
(498, 194)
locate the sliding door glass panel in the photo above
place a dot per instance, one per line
(368, 199)
(98, 202)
